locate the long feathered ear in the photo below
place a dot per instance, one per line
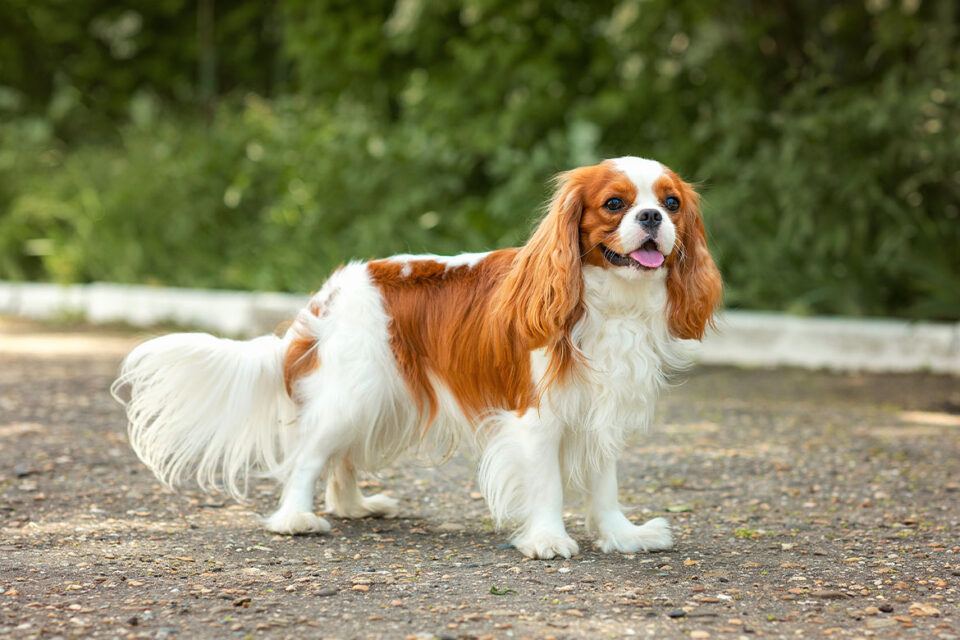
(694, 286)
(540, 295)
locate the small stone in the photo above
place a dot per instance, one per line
(699, 634)
(450, 527)
(326, 592)
(922, 610)
(22, 471)
(828, 594)
(360, 587)
(677, 613)
(886, 607)
(880, 623)
(871, 611)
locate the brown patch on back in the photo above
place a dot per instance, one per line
(442, 326)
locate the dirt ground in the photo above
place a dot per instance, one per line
(804, 504)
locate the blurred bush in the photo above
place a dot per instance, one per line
(824, 136)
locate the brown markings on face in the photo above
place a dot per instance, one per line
(694, 286)
(600, 183)
(301, 358)
(441, 325)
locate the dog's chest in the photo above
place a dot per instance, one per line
(624, 365)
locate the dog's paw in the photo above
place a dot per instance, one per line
(294, 523)
(377, 506)
(382, 506)
(546, 545)
(652, 536)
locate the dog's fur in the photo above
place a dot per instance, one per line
(547, 357)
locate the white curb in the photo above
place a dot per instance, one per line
(743, 338)
(757, 339)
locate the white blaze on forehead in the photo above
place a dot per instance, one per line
(642, 172)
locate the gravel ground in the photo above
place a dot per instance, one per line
(805, 504)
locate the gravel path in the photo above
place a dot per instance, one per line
(805, 505)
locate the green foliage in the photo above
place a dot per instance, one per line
(823, 135)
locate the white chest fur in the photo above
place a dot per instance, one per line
(627, 353)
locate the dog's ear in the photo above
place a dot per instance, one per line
(694, 286)
(540, 296)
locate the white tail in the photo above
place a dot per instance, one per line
(214, 403)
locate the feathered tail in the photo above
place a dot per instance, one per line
(214, 404)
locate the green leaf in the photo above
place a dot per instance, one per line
(500, 592)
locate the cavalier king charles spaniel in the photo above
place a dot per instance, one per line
(546, 357)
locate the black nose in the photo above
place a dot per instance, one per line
(650, 218)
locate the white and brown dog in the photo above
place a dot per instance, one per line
(548, 357)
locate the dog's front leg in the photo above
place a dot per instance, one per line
(614, 531)
(521, 478)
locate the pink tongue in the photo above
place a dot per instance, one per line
(649, 258)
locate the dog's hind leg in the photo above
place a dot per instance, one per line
(345, 500)
(321, 435)
(295, 514)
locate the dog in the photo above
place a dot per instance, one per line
(546, 357)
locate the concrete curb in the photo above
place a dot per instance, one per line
(743, 338)
(232, 313)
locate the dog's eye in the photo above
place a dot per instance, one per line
(671, 203)
(613, 204)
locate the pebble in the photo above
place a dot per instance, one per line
(828, 594)
(880, 623)
(699, 634)
(327, 591)
(677, 613)
(922, 610)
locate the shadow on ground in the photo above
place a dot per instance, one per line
(804, 504)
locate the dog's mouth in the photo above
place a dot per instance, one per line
(647, 256)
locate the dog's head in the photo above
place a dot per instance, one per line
(631, 216)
